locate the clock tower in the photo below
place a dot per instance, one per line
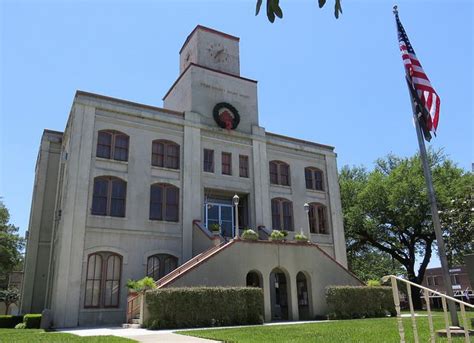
(210, 84)
(212, 49)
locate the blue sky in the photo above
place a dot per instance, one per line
(337, 82)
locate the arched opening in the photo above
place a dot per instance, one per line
(303, 296)
(254, 279)
(279, 295)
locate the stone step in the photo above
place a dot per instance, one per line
(136, 321)
(131, 326)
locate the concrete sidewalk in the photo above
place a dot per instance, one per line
(140, 335)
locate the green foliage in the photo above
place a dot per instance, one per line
(11, 245)
(373, 283)
(142, 285)
(8, 321)
(20, 326)
(32, 321)
(250, 235)
(277, 235)
(41, 336)
(204, 306)
(301, 237)
(348, 302)
(9, 296)
(387, 213)
(215, 228)
(274, 9)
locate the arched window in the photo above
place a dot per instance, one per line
(314, 178)
(159, 265)
(112, 145)
(103, 280)
(253, 279)
(282, 214)
(164, 202)
(109, 196)
(165, 154)
(318, 218)
(279, 173)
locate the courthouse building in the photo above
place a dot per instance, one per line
(129, 190)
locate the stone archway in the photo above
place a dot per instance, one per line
(303, 296)
(279, 295)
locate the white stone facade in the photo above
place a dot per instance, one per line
(63, 232)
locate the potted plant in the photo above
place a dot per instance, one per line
(215, 228)
(249, 235)
(277, 235)
(300, 237)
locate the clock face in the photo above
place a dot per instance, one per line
(217, 52)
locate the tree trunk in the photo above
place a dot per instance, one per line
(416, 298)
(7, 306)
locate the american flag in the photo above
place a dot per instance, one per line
(426, 97)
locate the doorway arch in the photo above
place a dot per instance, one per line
(279, 294)
(303, 296)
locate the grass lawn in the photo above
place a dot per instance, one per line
(359, 330)
(33, 335)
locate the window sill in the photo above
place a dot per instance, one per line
(107, 217)
(102, 159)
(155, 221)
(321, 234)
(280, 186)
(166, 169)
(208, 172)
(101, 309)
(316, 191)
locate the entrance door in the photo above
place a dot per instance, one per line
(222, 215)
(278, 295)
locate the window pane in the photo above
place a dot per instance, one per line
(287, 215)
(117, 206)
(322, 219)
(312, 219)
(276, 222)
(308, 175)
(226, 163)
(318, 177)
(94, 274)
(104, 142)
(156, 202)
(285, 174)
(243, 166)
(99, 199)
(172, 204)
(273, 173)
(112, 282)
(121, 148)
(172, 160)
(209, 160)
(153, 267)
(157, 155)
(170, 264)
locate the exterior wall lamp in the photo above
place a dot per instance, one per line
(235, 200)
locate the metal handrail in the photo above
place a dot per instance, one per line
(426, 292)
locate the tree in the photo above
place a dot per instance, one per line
(11, 245)
(387, 210)
(274, 10)
(9, 296)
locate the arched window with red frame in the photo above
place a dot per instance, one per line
(165, 154)
(164, 202)
(109, 196)
(318, 222)
(314, 178)
(279, 173)
(113, 145)
(103, 279)
(282, 214)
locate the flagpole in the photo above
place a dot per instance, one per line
(434, 210)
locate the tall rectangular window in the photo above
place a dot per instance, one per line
(209, 160)
(243, 166)
(226, 163)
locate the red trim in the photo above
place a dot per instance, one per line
(207, 68)
(207, 29)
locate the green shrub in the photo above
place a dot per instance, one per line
(372, 283)
(187, 307)
(349, 302)
(301, 237)
(20, 326)
(250, 235)
(9, 322)
(215, 227)
(141, 285)
(277, 235)
(32, 321)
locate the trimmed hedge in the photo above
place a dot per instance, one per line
(349, 302)
(187, 307)
(32, 321)
(10, 321)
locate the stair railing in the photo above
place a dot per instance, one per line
(426, 295)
